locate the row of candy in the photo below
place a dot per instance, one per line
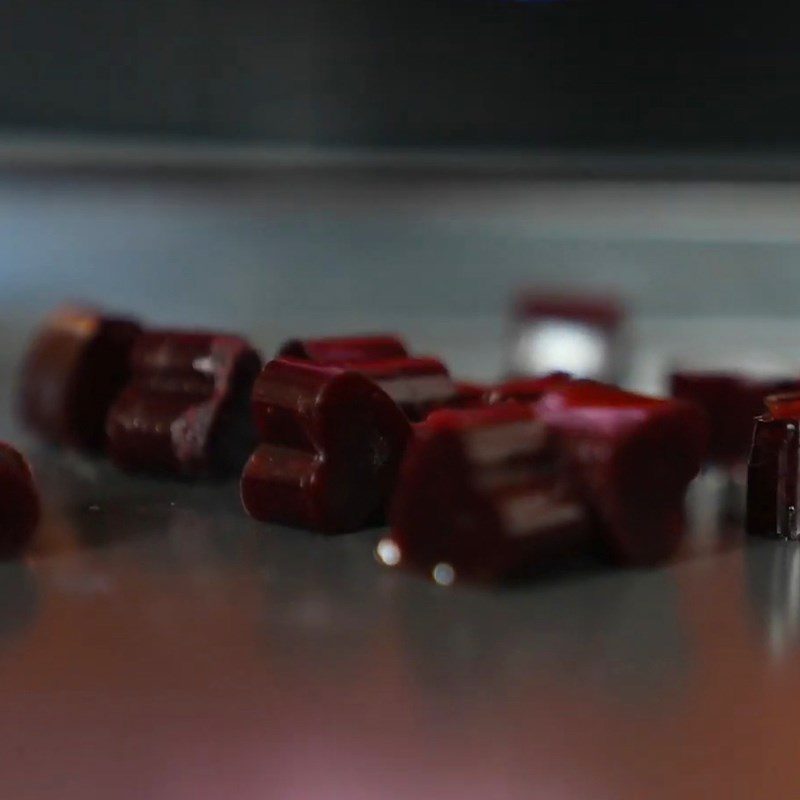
(337, 434)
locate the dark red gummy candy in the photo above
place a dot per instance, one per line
(632, 457)
(344, 349)
(481, 496)
(526, 390)
(468, 395)
(783, 406)
(773, 470)
(417, 384)
(186, 410)
(72, 373)
(731, 403)
(773, 479)
(333, 441)
(597, 311)
(19, 502)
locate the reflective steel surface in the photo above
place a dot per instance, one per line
(159, 645)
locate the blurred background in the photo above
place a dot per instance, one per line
(342, 164)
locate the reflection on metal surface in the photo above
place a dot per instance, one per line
(784, 623)
(388, 553)
(774, 585)
(713, 517)
(305, 659)
(443, 574)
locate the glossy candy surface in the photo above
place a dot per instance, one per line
(73, 371)
(525, 390)
(773, 470)
(468, 395)
(344, 349)
(19, 502)
(417, 384)
(632, 457)
(481, 496)
(731, 402)
(186, 408)
(332, 445)
(773, 479)
(783, 406)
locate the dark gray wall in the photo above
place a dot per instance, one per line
(418, 72)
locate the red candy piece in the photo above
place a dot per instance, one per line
(773, 475)
(19, 502)
(417, 385)
(72, 373)
(333, 441)
(526, 390)
(186, 409)
(731, 403)
(633, 458)
(598, 311)
(344, 349)
(468, 395)
(481, 497)
(783, 406)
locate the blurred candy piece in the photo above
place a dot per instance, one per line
(773, 470)
(489, 491)
(333, 441)
(632, 458)
(773, 479)
(19, 502)
(731, 403)
(344, 349)
(75, 368)
(574, 333)
(783, 406)
(417, 384)
(525, 390)
(468, 395)
(186, 408)
(481, 497)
